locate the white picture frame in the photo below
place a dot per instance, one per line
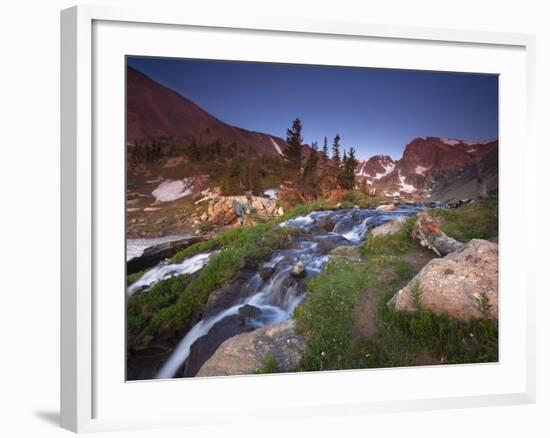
(85, 372)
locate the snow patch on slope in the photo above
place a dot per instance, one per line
(450, 141)
(405, 187)
(170, 190)
(276, 146)
(387, 170)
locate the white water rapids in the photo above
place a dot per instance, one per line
(163, 271)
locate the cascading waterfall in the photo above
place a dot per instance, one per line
(278, 296)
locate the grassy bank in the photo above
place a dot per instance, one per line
(477, 220)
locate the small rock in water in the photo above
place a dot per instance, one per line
(326, 223)
(266, 272)
(386, 207)
(299, 270)
(249, 311)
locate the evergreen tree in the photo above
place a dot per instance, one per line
(341, 175)
(336, 151)
(309, 177)
(348, 169)
(325, 149)
(293, 153)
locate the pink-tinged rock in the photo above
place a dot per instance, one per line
(456, 284)
(427, 230)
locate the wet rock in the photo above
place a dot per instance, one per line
(245, 353)
(325, 223)
(327, 243)
(463, 284)
(266, 272)
(392, 227)
(345, 225)
(248, 312)
(386, 207)
(226, 296)
(427, 230)
(350, 252)
(299, 270)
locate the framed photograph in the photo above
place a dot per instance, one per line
(254, 208)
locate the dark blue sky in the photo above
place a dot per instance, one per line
(377, 111)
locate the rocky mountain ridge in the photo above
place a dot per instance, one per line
(433, 165)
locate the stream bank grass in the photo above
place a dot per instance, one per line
(477, 220)
(326, 317)
(142, 307)
(407, 339)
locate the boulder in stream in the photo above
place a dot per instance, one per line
(299, 270)
(245, 353)
(248, 312)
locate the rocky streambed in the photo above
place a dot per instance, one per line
(269, 294)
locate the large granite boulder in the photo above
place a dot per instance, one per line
(245, 353)
(463, 284)
(427, 230)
